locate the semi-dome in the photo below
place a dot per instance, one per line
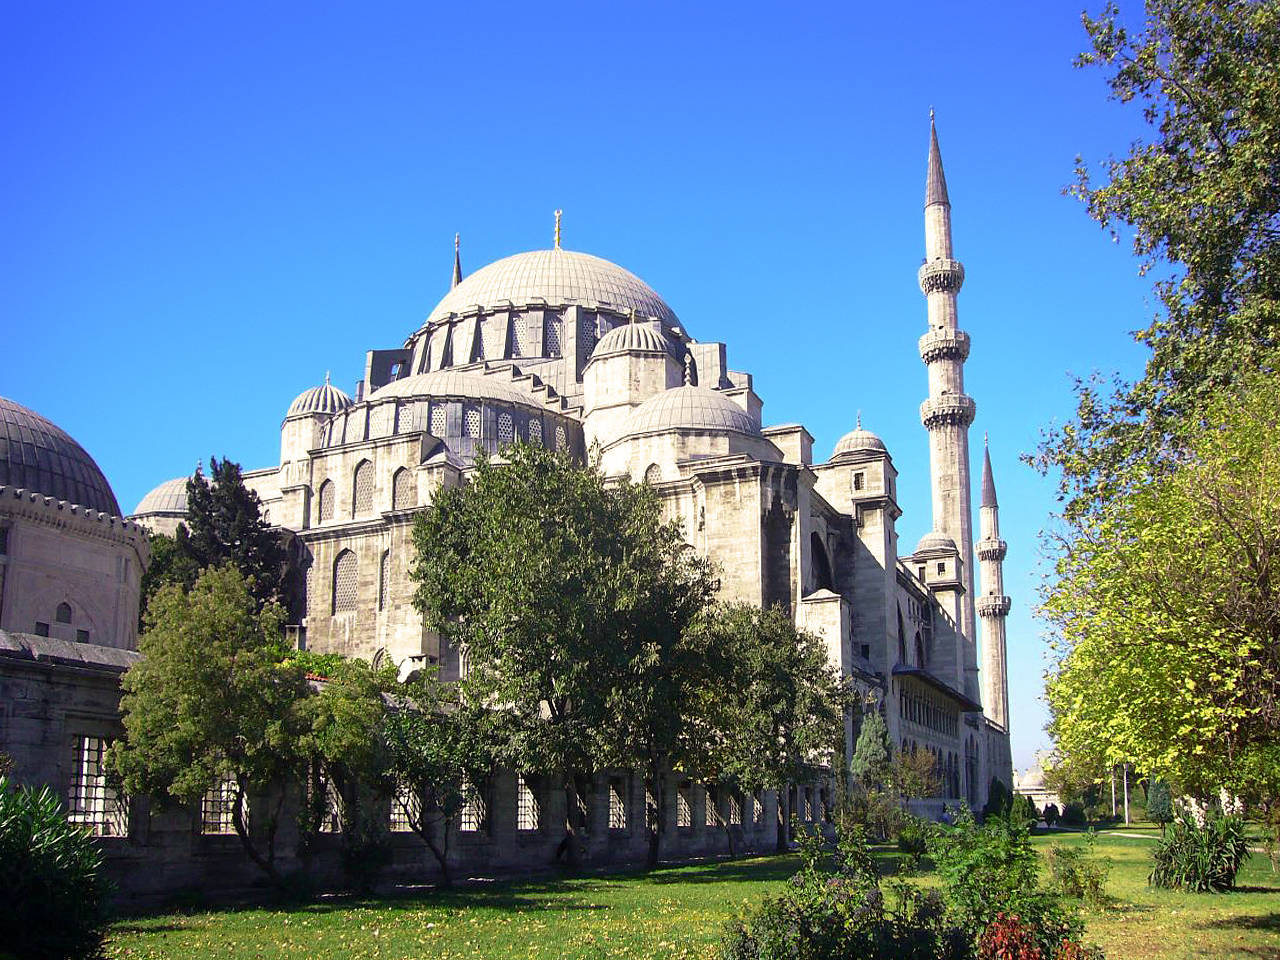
(169, 497)
(38, 455)
(857, 440)
(556, 278)
(630, 337)
(935, 540)
(691, 408)
(454, 383)
(326, 399)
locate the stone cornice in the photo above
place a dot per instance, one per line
(86, 522)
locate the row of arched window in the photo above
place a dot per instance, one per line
(404, 493)
(946, 765)
(345, 593)
(927, 712)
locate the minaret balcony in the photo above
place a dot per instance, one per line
(990, 548)
(950, 409)
(992, 606)
(941, 275)
(944, 345)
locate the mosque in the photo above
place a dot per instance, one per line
(578, 354)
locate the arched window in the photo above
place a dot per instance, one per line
(562, 439)
(535, 431)
(362, 489)
(653, 474)
(506, 429)
(344, 582)
(404, 492)
(63, 613)
(471, 422)
(384, 579)
(326, 501)
(822, 579)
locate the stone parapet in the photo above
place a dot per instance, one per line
(991, 549)
(991, 606)
(948, 409)
(944, 345)
(941, 275)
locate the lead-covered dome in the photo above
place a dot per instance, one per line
(690, 408)
(935, 540)
(169, 498)
(858, 440)
(325, 399)
(639, 337)
(38, 455)
(557, 278)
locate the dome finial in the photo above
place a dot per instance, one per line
(558, 215)
(326, 378)
(858, 426)
(688, 369)
(457, 261)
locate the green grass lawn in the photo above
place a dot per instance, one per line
(675, 912)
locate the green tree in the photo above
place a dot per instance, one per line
(1201, 200)
(168, 565)
(213, 697)
(786, 706)
(914, 773)
(872, 753)
(441, 754)
(559, 587)
(1166, 607)
(1159, 802)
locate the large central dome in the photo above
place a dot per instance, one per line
(558, 278)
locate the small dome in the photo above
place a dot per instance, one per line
(689, 407)
(935, 541)
(557, 278)
(858, 439)
(169, 497)
(628, 337)
(326, 399)
(37, 455)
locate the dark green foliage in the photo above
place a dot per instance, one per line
(999, 798)
(992, 869)
(52, 893)
(1073, 814)
(322, 665)
(1200, 858)
(1159, 802)
(832, 915)
(913, 834)
(871, 754)
(1075, 871)
(1051, 814)
(168, 565)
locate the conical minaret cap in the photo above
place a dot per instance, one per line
(457, 261)
(988, 483)
(935, 189)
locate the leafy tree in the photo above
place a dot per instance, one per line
(566, 593)
(1201, 201)
(871, 754)
(914, 773)
(1166, 607)
(168, 565)
(787, 701)
(212, 697)
(1159, 802)
(440, 755)
(999, 799)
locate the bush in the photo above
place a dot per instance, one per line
(1011, 938)
(1073, 814)
(1159, 803)
(913, 835)
(999, 798)
(1200, 855)
(1051, 814)
(51, 880)
(1075, 872)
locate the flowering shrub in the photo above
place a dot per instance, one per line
(1201, 851)
(1008, 937)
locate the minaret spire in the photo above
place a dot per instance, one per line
(457, 260)
(935, 186)
(993, 605)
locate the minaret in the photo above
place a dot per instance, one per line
(993, 605)
(948, 411)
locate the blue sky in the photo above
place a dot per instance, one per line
(206, 207)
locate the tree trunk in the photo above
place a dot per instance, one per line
(571, 846)
(784, 817)
(658, 779)
(265, 864)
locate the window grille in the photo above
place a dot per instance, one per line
(586, 333)
(684, 809)
(650, 809)
(653, 474)
(519, 335)
(384, 579)
(63, 613)
(437, 420)
(326, 501)
(344, 582)
(808, 804)
(471, 422)
(617, 806)
(713, 800)
(362, 490)
(757, 807)
(91, 802)
(474, 811)
(858, 480)
(535, 430)
(552, 344)
(217, 807)
(735, 810)
(382, 419)
(308, 585)
(492, 331)
(528, 815)
(330, 806)
(405, 809)
(404, 491)
(562, 438)
(506, 429)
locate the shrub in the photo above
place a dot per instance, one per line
(1200, 856)
(913, 835)
(51, 880)
(1011, 938)
(999, 798)
(1051, 814)
(1159, 802)
(1075, 872)
(1073, 814)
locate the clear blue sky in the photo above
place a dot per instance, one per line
(207, 206)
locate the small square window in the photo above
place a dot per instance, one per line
(920, 572)
(859, 480)
(866, 651)
(942, 568)
(42, 628)
(82, 636)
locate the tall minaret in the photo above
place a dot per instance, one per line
(948, 411)
(993, 605)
